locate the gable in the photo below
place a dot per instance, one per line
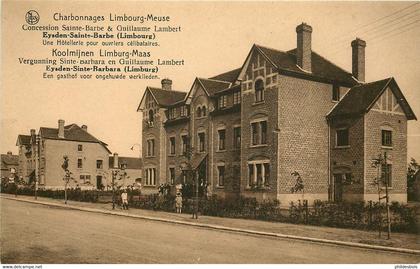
(388, 102)
(257, 66)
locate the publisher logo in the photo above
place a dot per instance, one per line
(32, 17)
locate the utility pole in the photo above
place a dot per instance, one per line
(37, 166)
(386, 175)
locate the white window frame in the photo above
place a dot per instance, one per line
(218, 140)
(254, 163)
(259, 130)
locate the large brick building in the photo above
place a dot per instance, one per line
(282, 111)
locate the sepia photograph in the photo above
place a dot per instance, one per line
(226, 132)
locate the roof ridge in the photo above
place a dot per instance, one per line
(156, 88)
(270, 48)
(332, 63)
(224, 81)
(376, 81)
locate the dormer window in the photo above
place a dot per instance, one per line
(222, 101)
(259, 91)
(236, 98)
(184, 111)
(171, 113)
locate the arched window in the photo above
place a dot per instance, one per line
(151, 116)
(198, 112)
(259, 90)
(203, 111)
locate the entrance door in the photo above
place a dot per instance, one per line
(99, 185)
(338, 187)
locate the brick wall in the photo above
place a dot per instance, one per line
(348, 159)
(258, 68)
(158, 161)
(303, 137)
(230, 157)
(375, 121)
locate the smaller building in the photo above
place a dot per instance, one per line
(41, 156)
(9, 164)
(132, 167)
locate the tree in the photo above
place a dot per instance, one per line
(413, 167)
(299, 186)
(67, 176)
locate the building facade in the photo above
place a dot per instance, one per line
(244, 132)
(41, 157)
(9, 165)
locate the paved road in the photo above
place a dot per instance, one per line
(39, 234)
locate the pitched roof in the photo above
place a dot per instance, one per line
(229, 76)
(24, 139)
(213, 86)
(72, 132)
(166, 97)
(321, 67)
(9, 160)
(359, 99)
(130, 162)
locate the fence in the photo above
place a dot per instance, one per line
(359, 215)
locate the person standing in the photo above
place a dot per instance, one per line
(124, 198)
(178, 203)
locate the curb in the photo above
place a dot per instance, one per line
(224, 228)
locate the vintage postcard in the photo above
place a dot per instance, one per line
(228, 132)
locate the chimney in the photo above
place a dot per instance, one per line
(358, 59)
(60, 128)
(166, 84)
(32, 132)
(303, 49)
(115, 160)
(84, 127)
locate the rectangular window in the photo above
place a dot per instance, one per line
(201, 141)
(172, 175)
(222, 101)
(79, 147)
(172, 145)
(237, 137)
(79, 163)
(387, 138)
(263, 132)
(151, 147)
(255, 138)
(184, 111)
(236, 98)
(336, 93)
(342, 137)
(99, 164)
(150, 176)
(259, 133)
(221, 178)
(250, 174)
(222, 139)
(172, 113)
(266, 179)
(184, 144)
(387, 174)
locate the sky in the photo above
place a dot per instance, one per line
(215, 37)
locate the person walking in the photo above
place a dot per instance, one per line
(124, 198)
(178, 203)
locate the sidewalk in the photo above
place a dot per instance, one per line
(398, 240)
